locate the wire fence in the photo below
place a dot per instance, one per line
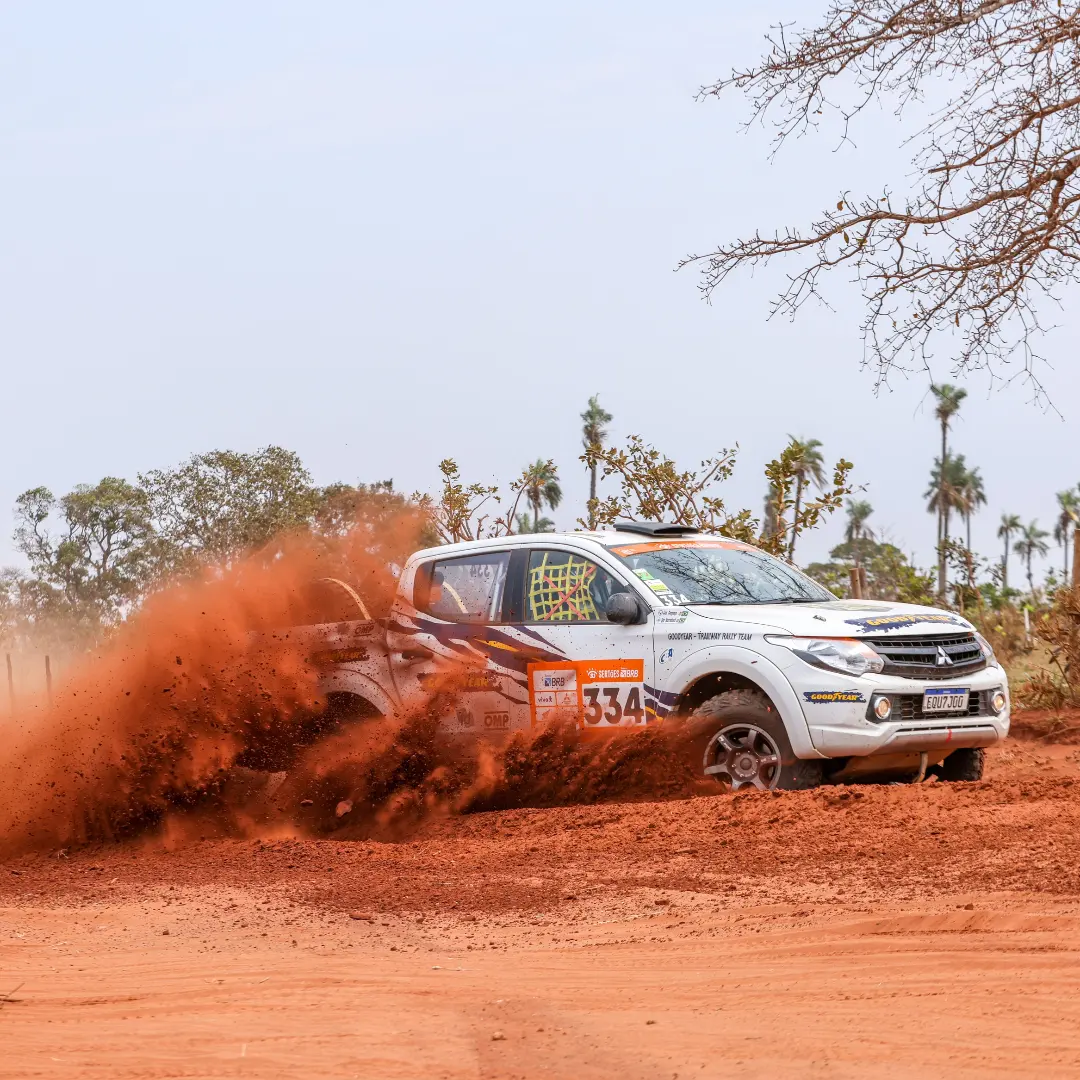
(28, 680)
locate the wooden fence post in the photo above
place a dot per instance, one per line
(1076, 571)
(10, 684)
(856, 583)
(48, 679)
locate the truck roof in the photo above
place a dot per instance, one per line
(608, 538)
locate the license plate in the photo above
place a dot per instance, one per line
(946, 699)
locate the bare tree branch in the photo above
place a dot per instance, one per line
(994, 226)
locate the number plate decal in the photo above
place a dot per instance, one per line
(598, 693)
(945, 699)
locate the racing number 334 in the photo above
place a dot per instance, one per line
(612, 704)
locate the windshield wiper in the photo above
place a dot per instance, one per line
(749, 603)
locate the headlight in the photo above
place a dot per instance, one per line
(840, 654)
(987, 649)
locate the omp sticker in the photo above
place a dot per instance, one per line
(894, 622)
(668, 545)
(830, 697)
(679, 616)
(496, 721)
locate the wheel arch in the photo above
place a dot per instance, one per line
(341, 683)
(702, 675)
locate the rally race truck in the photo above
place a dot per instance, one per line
(777, 683)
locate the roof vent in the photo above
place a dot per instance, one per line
(655, 528)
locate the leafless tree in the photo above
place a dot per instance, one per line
(990, 228)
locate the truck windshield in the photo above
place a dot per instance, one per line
(717, 572)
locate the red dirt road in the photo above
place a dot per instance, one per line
(845, 932)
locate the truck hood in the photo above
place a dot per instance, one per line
(841, 618)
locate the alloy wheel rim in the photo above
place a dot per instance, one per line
(743, 755)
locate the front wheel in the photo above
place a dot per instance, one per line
(964, 764)
(744, 744)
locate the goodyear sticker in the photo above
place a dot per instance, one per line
(894, 622)
(830, 697)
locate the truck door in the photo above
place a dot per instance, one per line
(607, 665)
(456, 635)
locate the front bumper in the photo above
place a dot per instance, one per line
(843, 729)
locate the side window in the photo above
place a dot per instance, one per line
(563, 587)
(466, 589)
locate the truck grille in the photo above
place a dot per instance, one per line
(923, 657)
(909, 707)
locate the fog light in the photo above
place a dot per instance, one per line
(883, 708)
(997, 701)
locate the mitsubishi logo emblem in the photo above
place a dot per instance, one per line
(943, 658)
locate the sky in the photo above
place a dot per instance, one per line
(384, 234)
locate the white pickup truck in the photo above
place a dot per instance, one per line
(778, 683)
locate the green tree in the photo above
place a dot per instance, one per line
(809, 468)
(889, 573)
(541, 486)
(102, 555)
(948, 401)
(594, 421)
(1032, 542)
(219, 505)
(858, 513)
(1009, 524)
(1068, 516)
(945, 495)
(526, 524)
(652, 487)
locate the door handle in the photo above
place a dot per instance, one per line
(415, 652)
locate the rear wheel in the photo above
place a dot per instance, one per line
(743, 744)
(964, 764)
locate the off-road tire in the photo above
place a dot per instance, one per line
(741, 710)
(963, 764)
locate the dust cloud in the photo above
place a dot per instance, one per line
(157, 732)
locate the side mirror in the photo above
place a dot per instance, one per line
(622, 608)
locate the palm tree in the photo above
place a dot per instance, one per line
(542, 486)
(1068, 518)
(858, 511)
(946, 494)
(974, 496)
(1010, 523)
(1032, 542)
(949, 398)
(526, 524)
(808, 467)
(593, 434)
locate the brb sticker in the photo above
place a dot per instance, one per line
(598, 693)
